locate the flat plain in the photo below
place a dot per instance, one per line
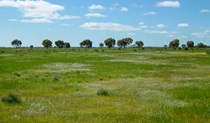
(141, 85)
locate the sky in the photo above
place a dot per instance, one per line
(155, 22)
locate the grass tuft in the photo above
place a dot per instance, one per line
(103, 92)
(11, 99)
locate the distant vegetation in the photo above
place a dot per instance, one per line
(111, 42)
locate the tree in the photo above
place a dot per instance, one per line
(31, 46)
(184, 46)
(16, 43)
(47, 43)
(190, 44)
(86, 43)
(124, 42)
(174, 44)
(109, 42)
(67, 45)
(139, 44)
(59, 43)
(128, 41)
(201, 45)
(101, 45)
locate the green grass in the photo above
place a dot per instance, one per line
(63, 85)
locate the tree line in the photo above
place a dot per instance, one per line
(189, 44)
(110, 43)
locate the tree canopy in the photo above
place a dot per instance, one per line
(16, 43)
(47, 43)
(101, 45)
(174, 44)
(201, 45)
(139, 44)
(59, 43)
(190, 44)
(109, 42)
(86, 43)
(67, 45)
(124, 42)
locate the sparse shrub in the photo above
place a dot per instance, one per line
(95, 50)
(103, 92)
(135, 50)
(17, 74)
(11, 99)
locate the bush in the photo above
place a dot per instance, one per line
(95, 50)
(11, 99)
(103, 92)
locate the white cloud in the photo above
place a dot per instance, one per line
(124, 9)
(13, 20)
(174, 4)
(94, 15)
(199, 34)
(183, 25)
(156, 32)
(143, 26)
(39, 10)
(204, 11)
(137, 5)
(131, 34)
(95, 7)
(108, 26)
(149, 13)
(160, 26)
(203, 34)
(65, 24)
(183, 37)
(141, 23)
(37, 20)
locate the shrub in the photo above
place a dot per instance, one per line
(95, 50)
(103, 92)
(11, 99)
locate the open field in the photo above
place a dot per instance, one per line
(61, 85)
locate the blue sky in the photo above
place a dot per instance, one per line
(155, 22)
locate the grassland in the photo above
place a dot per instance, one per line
(61, 85)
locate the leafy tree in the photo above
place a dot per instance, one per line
(67, 45)
(101, 45)
(124, 42)
(121, 43)
(16, 43)
(201, 45)
(47, 43)
(184, 46)
(174, 44)
(165, 46)
(59, 43)
(109, 42)
(190, 44)
(139, 44)
(128, 41)
(86, 43)
(31, 46)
